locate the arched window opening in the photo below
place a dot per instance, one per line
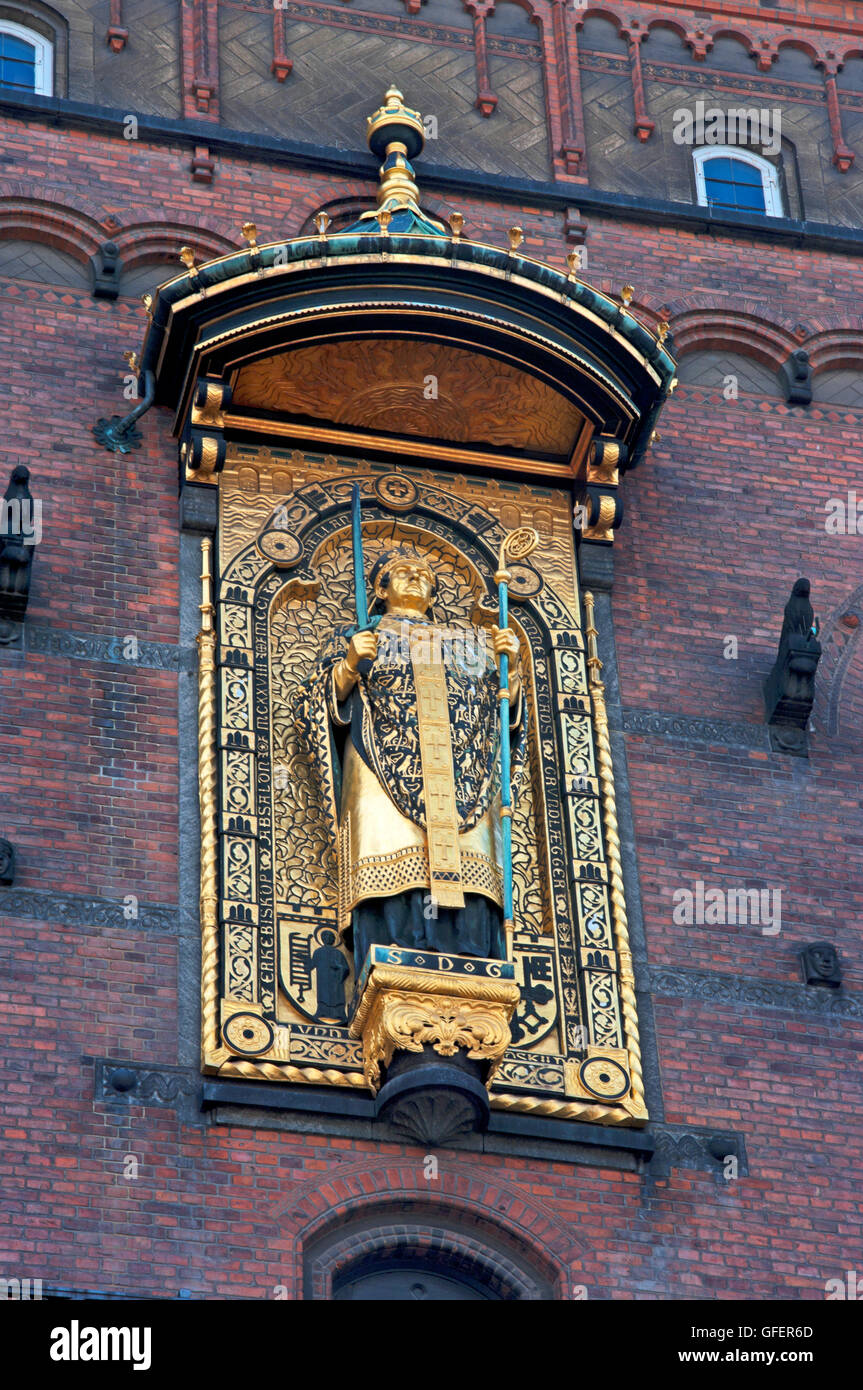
(26, 60)
(729, 177)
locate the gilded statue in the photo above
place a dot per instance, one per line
(402, 720)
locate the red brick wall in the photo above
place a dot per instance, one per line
(721, 517)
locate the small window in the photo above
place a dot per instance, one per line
(728, 177)
(26, 60)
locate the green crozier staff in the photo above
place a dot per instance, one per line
(515, 546)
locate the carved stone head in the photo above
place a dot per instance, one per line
(820, 962)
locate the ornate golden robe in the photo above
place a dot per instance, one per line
(426, 713)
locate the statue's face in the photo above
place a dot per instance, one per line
(410, 587)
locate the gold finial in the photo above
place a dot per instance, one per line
(662, 330)
(626, 295)
(322, 221)
(187, 256)
(456, 223)
(516, 237)
(132, 359)
(396, 135)
(206, 604)
(573, 261)
(593, 662)
(673, 386)
(384, 219)
(147, 301)
(654, 438)
(250, 232)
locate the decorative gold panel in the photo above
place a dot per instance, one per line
(270, 838)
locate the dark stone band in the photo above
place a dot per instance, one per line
(725, 732)
(714, 987)
(306, 1109)
(78, 910)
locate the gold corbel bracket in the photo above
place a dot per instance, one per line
(600, 478)
(604, 459)
(203, 450)
(403, 1007)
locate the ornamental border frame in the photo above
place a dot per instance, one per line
(599, 946)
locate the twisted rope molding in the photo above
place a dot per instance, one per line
(562, 1109)
(207, 796)
(626, 977)
(281, 1071)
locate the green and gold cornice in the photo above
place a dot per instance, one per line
(396, 274)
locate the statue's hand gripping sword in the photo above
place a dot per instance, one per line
(515, 546)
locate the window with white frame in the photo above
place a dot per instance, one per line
(26, 60)
(727, 176)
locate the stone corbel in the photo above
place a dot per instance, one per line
(7, 863)
(106, 268)
(699, 43)
(202, 165)
(765, 52)
(574, 227)
(796, 377)
(598, 510)
(281, 66)
(116, 36)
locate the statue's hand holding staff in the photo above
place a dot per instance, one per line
(505, 641)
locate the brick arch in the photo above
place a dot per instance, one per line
(536, 9)
(836, 348)
(470, 1201)
(430, 1233)
(660, 21)
(718, 330)
(55, 224)
(614, 17)
(742, 36)
(508, 1254)
(803, 44)
(161, 241)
